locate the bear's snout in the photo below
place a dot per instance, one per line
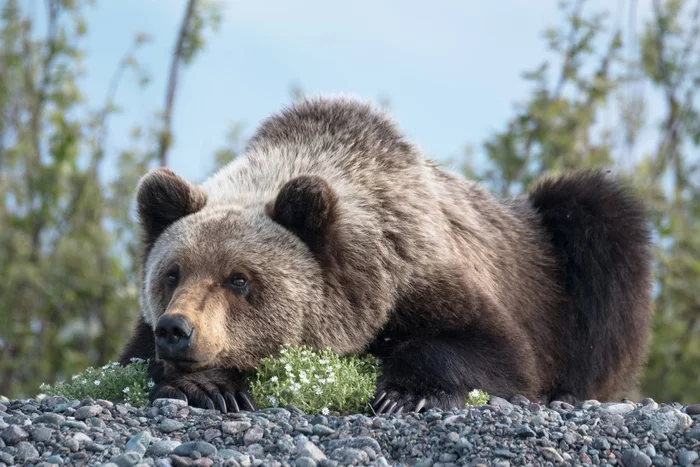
(174, 336)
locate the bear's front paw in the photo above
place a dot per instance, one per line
(394, 400)
(214, 389)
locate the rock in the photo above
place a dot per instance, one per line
(252, 436)
(501, 403)
(179, 461)
(26, 451)
(668, 420)
(661, 461)
(139, 443)
(357, 443)
(228, 453)
(162, 463)
(687, 457)
(601, 443)
(551, 455)
(7, 458)
(306, 448)
(41, 434)
(58, 460)
(95, 447)
(185, 449)
(49, 419)
(694, 433)
(635, 458)
(524, 431)
(162, 448)
(304, 461)
(168, 410)
(82, 439)
(349, 456)
(168, 425)
(693, 409)
(504, 453)
(322, 430)
(13, 434)
(87, 411)
(75, 425)
(234, 427)
(127, 459)
(617, 408)
(176, 402)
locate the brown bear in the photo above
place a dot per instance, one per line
(333, 231)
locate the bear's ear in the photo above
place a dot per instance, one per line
(306, 206)
(163, 197)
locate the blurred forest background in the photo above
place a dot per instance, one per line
(68, 248)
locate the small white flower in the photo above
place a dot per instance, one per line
(288, 367)
(474, 393)
(104, 367)
(151, 384)
(126, 390)
(273, 400)
(305, 352)
(302, 374)
(325, 411)
(331, 379)
(283, 351)
(318, 391)
(274, 379)
(74, 377)
(97, 382)
(323, 361)
(115, 364)
(84, 381)
(322, 380)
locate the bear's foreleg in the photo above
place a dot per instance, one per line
(439, 372)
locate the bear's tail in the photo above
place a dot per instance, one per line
(603, 243)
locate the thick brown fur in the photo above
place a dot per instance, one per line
(348, 238)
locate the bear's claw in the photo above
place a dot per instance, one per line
(396, 402)
(209, 389)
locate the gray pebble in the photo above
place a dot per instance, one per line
(204, 448)
(253, 435)
(13, 434)
(661, 461)
(49, 419)
(228, 453)
(139, 442)
(322, 430)
(95, 447)
(551, 454)
(75, 425)
(7, 458)
(618, 408)
(163, 463)
(162, 448)
(168, 425)
(41, 434)
(601, 443)
(524, 431)
(687, 457)
(349, 456)
(233, 427)
(357, 443)
(88, 411)
(176, 402)
(306, 448)
(58, 460)
(304, 461)
(127, 459)
(693, 409)
(635, 458)
(26, 450)
(667, 420)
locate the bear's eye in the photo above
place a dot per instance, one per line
(172, 278)
(238, 282)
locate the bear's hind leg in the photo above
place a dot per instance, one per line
(440, 371)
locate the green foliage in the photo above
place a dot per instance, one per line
(112, 382)
(316, 382)
(476, 398)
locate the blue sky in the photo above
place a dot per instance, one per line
(452, 69)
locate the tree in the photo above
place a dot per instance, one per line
(67, 245)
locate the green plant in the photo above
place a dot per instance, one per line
(315, 381)
(112, 382)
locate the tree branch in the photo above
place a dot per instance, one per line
(172, 84)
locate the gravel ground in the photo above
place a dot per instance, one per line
(520, 432)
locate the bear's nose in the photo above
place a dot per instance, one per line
(174, 336)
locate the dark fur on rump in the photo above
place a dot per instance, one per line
(602, 239)
(353, 240)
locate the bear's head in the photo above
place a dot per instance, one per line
(224, 285)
